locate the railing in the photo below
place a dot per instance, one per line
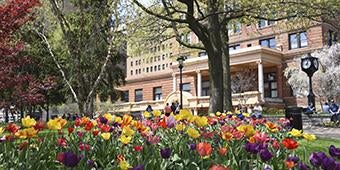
(193, 102)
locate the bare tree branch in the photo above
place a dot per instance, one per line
(49, 48)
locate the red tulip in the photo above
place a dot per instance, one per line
(219, 167)
(138, 148)
(13, 128)
(290, 143)
(88, 126)
(95, 132)
(222, 151)
(61, 142)
(70, 129)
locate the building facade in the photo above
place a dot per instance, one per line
(262, 49)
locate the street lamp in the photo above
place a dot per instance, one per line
(181, 60)
(310, 65)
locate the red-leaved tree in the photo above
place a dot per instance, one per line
(17, 86)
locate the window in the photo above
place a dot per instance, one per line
(331, 38)
(270, 85)
(147, 69)
(136, 62)
(159, 67)
(131, 72)
(234, 47)
(155, 68)
(163, 67)
(167, 65)
(163, 57)
(202, 53)
(151, 59)
(131, 63)
(265, 23)
(155, 58)
(270, 43)
(205, 88)
(139, 62)
(125, 96)
(248, 45)
(139, 71)
(186, 87)
(170, 45)
(157, 93)
(136, 71)
(298, 40)
(138, 95)
(151, 69)
(234, 28)
(159, 58)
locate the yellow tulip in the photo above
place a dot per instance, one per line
(193, 133)
(246, 114)
(1, 130)
(295, 132)
(125, 139)
(248, 130)
(118, 120)
(212, 115)
(105, 136)
(156, 113)
(108, 116)
(191, 118)
(28, 122)
(146, 114)
(180, 127)
(185, 114)
(127, 131)
(31, 132)
(218, 113)
(309, 137)
(201, 121)
(223, 114)
(123, 165)
(56, 124)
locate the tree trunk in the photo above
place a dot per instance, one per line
(227, 101)
(215, 65)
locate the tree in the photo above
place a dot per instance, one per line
(86, 47)
(326, 81)
(209, 21)
(17, 86)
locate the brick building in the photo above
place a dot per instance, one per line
(266, 48)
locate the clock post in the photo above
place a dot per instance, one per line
(310, 65)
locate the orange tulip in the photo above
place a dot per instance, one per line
(204, 149)
(290, 143)
(222, 151)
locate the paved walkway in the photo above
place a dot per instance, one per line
(324, 132)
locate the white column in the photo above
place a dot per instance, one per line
(260, 79)
(199, 83)
(174, 84)
(195, 112)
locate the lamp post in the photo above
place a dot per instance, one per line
(181, 60)
(310, 65)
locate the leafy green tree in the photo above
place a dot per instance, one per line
(84, 41)
(209, 20)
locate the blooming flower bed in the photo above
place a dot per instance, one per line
(183, 141)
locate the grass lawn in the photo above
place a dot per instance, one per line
(321, 144)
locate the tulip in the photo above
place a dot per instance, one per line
(61, 142)
(165, 153)
(105, 136)
(295, 132)
(334, 152)
(28, 122)
(204, 149)
(295, 159)
(124, 165)
(252, 147)
(302, 166)
(201, 121)
(193, 133)
(138, 148)
(103, 120)
(138, 167)
(171, 121)
(125, 139)
(70, 129)
(309, 137)
(108, 116)
(218, 167)
(265, 155)
(316, 158)
(192, 146)
(13, 128)
(69, 159)
(222, 151)
(127, 131)
(290, 143)
(328, 163)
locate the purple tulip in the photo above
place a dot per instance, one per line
(316, 158)
(90, 163)
(302, 166)
(138, 167)
(166, 153)
(70, 159)
(192, 146)
(328, 163)
(337, 166)
(294, 159)
(252, 148)
(265, 155)
(103, 120)
(170, 121)
(334, 152)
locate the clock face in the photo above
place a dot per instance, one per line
(306, 64)
(316, 63)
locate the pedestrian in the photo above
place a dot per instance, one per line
(173, 107)
(167, 110)
(257, 110)
(149, 109)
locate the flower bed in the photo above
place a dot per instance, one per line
(183, 141)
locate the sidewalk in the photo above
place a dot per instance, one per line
(324, 132)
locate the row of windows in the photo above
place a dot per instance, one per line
(296, 40)
(234, 28)
(151, 59)
(160, 48)
(151, 69)
(270, 87)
